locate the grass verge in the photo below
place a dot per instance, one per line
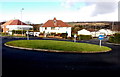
(59, 45)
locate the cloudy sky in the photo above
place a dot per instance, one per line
(39, 11)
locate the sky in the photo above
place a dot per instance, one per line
(39, 11)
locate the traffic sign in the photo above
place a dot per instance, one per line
(101, 37)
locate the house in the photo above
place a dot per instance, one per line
(15, 25)
(116, 27)
(84, 32)
(106, 32)
(56, 26)
(1, 26)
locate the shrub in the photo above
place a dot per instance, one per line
(70, 38)
(52, 34)
(64, 35)
(18, 31)
(58, 34)
(115, 38)
(3, 34)
(84, 37)
(111, 39)
(41, 34)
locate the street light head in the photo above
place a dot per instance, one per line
(22, 9)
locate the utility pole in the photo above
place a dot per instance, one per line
(21, 19)
(112, 27)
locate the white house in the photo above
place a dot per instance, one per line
(84, 32)
(56, 26)
(15, 25)
(105, 31)
(102, 32)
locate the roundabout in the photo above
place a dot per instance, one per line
(57, 46)
(22, 62)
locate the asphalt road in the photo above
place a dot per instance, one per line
(26, 63)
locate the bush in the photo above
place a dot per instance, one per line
(115, 38)
(84, 37)
(18, 31)
(52, 34)
(3, 34)
(70, 38)
(58, 34)
(41, 34)
(64, 35)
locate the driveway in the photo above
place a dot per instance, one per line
(39, 64)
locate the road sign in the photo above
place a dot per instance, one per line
(101, 37)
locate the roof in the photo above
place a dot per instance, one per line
(14, 22)
(55, 23)
(84, 32)
(2, 23)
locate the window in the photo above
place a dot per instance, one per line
(30, 28)
(45, 28)
(52, 28)
(54, 21)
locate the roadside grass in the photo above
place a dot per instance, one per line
(59, 45)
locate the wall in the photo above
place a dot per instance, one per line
(56, 30)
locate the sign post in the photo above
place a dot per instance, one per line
(75, 37)
(100, 43)
(27, 35)
(101, 37)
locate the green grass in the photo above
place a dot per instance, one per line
(58, 45)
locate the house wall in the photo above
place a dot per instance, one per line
(18, 27)
(36, 33)
(56, 30)
(9, 28)
(5, 29)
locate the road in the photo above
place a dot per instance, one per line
(23, 63)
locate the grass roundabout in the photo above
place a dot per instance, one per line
(58, 46)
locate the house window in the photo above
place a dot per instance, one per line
(54, 21)
(52, 28)
(30, 28)
(45, 28)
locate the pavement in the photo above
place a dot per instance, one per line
(24, 63)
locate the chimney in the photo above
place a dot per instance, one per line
(55, 21)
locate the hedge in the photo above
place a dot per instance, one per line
(18, 31)
(64, 35)
(115, 38)
(84, 37)
(3, 34)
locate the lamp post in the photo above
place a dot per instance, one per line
(75, 37)
(21, 19)
(27, 35)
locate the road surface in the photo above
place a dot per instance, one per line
(24, 63)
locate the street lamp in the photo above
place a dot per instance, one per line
(75, 36)
(27, 35)
(21, 19)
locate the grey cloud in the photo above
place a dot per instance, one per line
(101, 6)
(104, 7)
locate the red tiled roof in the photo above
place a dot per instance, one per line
(14, 22)
(55, 23)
